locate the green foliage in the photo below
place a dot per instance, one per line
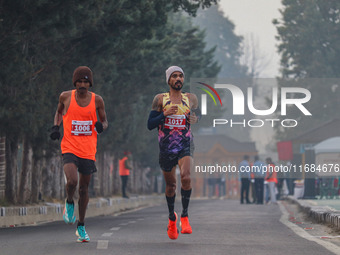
(220, 34)
(225, 46)
(191, 6)
(128, 45)
(176, 43)
(309, 36)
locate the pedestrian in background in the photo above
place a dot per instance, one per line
(244, 174)
(271, 178)
(259, 179)
(124, 170)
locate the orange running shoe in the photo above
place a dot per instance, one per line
(172, 229)
(185, 225)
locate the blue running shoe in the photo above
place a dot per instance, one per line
(68, 214)
(83, 237)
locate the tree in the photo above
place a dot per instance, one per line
(303, 53)
(41, 44)
(255, 60)
(309, 44)
(177, 43)
(220, 34)
(228, 52)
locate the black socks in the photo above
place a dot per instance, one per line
(171, 207)
(185, 201)
(185, 204)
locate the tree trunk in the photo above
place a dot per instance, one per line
(101, 173)
(2, 167)
(11, 169)
(106, 173)
(36, 179)
(115, 175)
(25, 171)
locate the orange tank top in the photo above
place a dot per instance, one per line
(80, 137)
(273, 177)
(122, 168)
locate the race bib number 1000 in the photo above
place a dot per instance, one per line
(81, 128)
(175, 122)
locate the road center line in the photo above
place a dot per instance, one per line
(107, 234)
(102, 244)
(115, 228)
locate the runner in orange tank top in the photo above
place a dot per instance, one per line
(77, 109)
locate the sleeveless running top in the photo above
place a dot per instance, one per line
(174, 134)
(80, 137)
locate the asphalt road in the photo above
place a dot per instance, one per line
(219, 227)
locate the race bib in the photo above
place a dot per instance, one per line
(81, 128)
(175, 122)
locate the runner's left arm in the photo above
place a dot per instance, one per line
(195, 110)
(101, 111)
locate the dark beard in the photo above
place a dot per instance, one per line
(177, 88)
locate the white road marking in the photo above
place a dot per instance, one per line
(133, 221)
(304, 234)
(107, 234)
(123, 224)
(330, 237)
(102, 244)
(115, 228)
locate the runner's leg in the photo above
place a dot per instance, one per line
(185, 165)
(84, 181)
(170, 191)
(71, 174)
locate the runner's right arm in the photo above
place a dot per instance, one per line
(58, 117)
(59, 113)
(156, 115)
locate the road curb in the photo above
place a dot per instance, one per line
(32, 215)
(321, 214)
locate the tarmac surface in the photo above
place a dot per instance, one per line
(219, 227)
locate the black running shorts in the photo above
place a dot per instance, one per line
(85, 166)
(168, 161)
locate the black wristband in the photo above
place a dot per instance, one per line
(55, 134)
(197, 112)
(99, 127)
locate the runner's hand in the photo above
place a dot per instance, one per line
(55, 134)
(192, 118)
(172, 110)
(99, 127)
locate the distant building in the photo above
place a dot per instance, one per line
(305, 141)
(303, 153)
(218, 151)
